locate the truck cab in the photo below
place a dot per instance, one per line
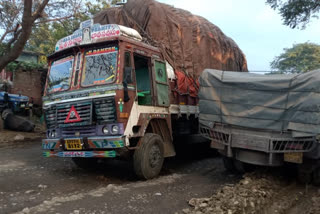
(108, 95)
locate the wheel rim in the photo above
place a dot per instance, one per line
(155, 156)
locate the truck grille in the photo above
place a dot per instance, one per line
(95, 112)
(105, 111)
(293, 145)
(84, 110)
(50, 116)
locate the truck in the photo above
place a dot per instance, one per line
(266, 120)
(108, 94)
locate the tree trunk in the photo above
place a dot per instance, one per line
(20, 38)
(14, 51)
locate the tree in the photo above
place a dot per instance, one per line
(300, 58)
(45, 35)
(17, 18)
(296, 13)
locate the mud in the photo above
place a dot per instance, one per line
(260, 192)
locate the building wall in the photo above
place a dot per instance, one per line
(28, 83)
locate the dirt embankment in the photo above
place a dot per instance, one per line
(260, 193)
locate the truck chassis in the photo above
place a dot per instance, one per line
(240, 147)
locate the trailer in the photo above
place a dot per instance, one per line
(266, 120)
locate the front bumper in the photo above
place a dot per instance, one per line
(100, 146)
(82, 154)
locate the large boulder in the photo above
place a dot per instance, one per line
(190, 43)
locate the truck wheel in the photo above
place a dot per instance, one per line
(242, 167)
(86, 163)
(148, 158)
(228, 164)
(304, 176)
(316, 177)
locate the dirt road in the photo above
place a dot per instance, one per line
(193, 183)
(30, 183)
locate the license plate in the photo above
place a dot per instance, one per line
(74, 144)
(296, 157)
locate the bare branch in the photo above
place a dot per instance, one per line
(9, 31)
(39, 10)
(54, 20)
(15, 37)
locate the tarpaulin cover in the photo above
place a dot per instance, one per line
(270, 102)
(189, 43)
(187, 85)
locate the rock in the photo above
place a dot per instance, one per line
(186, 211)
(252, 205)
(29, 191)
(42, 186)
(206, 199)
(193, 202)
(203, 205)
(26, 210)
(18, 137)
(245, 182)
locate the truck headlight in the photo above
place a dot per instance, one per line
(115, 129)
(105, 130)
(53, 134)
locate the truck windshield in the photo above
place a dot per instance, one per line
(60, 75)
(100, 66)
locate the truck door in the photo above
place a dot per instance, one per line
(161, 89)
(142, 66)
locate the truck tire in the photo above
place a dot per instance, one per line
(304, 175)
(228, 164)
(316, 176)
(242, 167)
(86, 163)
(148, 158)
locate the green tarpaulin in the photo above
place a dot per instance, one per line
(271, 102)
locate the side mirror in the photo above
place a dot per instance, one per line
(127, 75)
(127, 78)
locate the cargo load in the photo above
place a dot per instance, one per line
(188, 42)
(280, 103)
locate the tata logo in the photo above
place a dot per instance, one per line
(73, 116)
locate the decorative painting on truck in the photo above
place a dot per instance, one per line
(88, 33)
(100, 66)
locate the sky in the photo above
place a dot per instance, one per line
(253, 25)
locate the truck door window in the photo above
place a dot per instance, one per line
(143, 80)
(127, 59)
(161, 83)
